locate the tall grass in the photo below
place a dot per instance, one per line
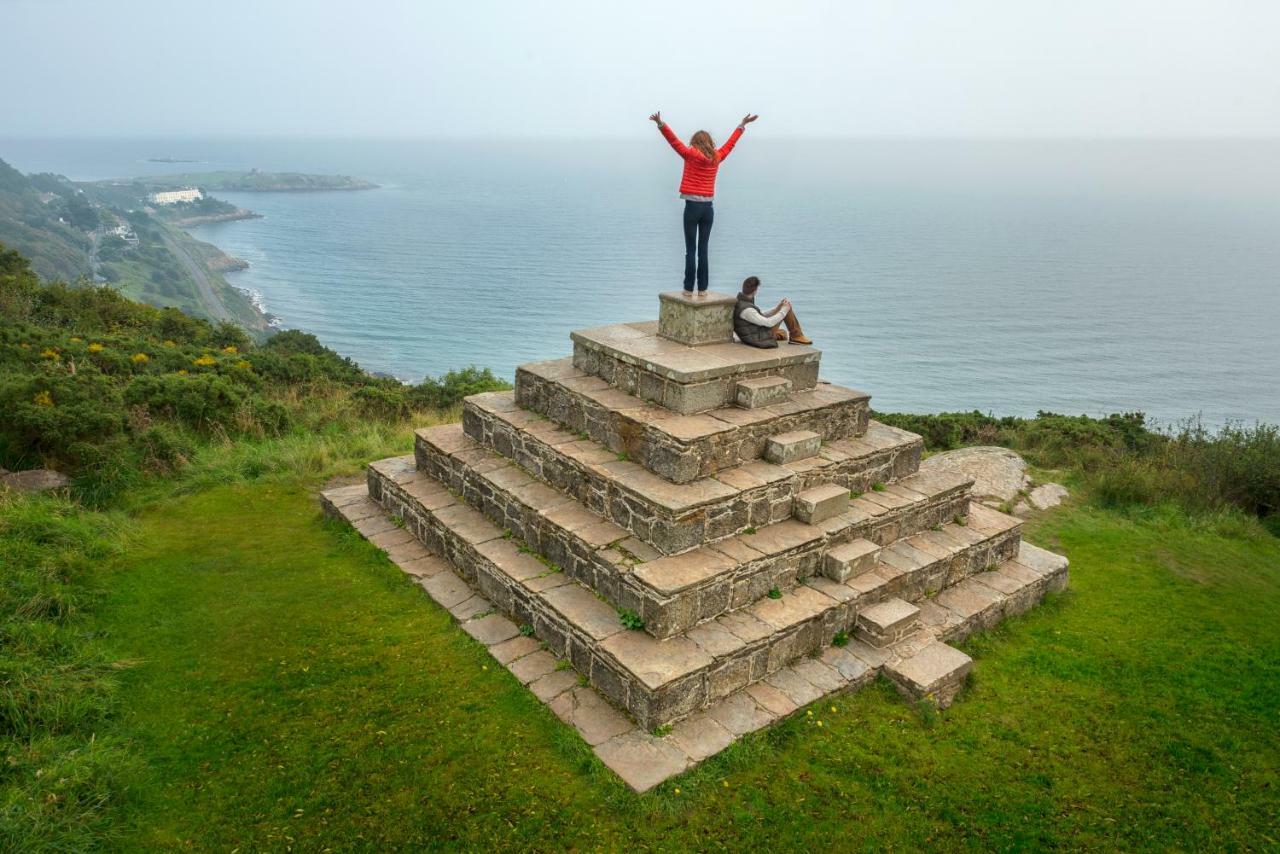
(58, 779)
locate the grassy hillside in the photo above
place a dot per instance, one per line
(193, 658)
(56, 250)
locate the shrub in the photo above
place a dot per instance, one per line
(453, 386)
(200, 400)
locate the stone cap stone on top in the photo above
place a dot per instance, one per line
(696, 319)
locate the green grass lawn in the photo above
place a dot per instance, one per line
(291, 690)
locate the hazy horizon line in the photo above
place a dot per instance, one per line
(627, 137)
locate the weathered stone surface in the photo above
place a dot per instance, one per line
(1047, 495)
(853, 558)
(997, 473)
(790, 447)
(700, 737)
(798, 690)
(740, 714)
(491, 629)
(935, 673)
(826, 679)
(533, 666)
(553, 684)
(705, 318)
(446, 588)
(641, 760)
(656, 662)
(887, 622)
(821, 503)
(510, 650)
(852, 669)
(588, 713)
(469, 607)
(761, 392)
(771, 699)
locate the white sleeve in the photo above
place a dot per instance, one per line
(751, 314)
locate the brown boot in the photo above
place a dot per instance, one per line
(794, 332)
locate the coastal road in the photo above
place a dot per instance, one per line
(208, 295)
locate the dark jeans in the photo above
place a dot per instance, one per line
(698, 217)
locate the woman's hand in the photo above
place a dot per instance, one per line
(656, 118)
(746, 120)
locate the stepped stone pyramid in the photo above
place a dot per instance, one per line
(674, 539)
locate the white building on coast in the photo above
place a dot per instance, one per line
(172, 197)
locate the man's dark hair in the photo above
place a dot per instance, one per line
(750, 283)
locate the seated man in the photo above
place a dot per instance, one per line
(762, 330)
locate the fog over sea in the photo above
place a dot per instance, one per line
(1005, 276)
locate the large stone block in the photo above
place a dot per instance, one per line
(761, 391)
(789, 447)
(821, 503)
(691, 319)
(887, 623)
(846, 561)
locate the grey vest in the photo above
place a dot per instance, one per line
(748, 332)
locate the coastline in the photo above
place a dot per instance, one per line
(207, 219)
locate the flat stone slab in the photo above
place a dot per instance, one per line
(642, 760)
(695, 319)
(587, 712)
(997, 473)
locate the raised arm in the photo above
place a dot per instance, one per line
(735, 136)
(681, 149)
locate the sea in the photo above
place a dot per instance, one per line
(1006, 276)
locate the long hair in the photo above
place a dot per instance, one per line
(704, 143)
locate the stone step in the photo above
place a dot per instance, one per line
(887, 623)
(792, 447)
(761, 392)
(656, 681)
(634, 358)
(675, 517)
(672, 593)
(932, 671)
(643, 759)
(849, 559)
(682, 448)
(820, 503)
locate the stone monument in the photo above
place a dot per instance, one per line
(674, 539)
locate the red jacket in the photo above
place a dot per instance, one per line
(699, 178)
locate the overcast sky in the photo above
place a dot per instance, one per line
(478, 68)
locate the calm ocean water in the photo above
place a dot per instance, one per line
(1073, 276)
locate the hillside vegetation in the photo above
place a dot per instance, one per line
(112, 390)
(193, 658)
(56, 249)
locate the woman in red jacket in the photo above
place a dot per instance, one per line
(697, 187)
